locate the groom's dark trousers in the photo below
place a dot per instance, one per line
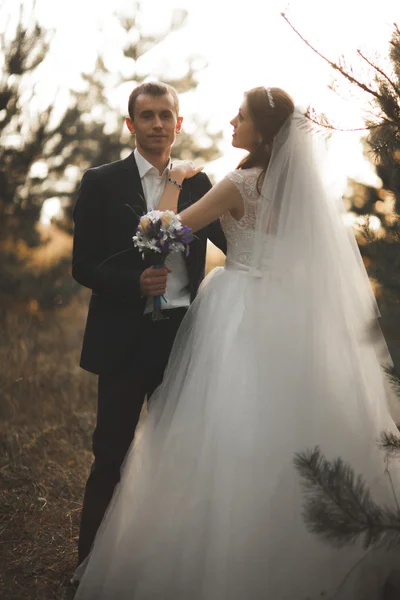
(121, 344)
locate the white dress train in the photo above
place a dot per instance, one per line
(210, 504)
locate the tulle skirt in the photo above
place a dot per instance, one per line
(210, 504)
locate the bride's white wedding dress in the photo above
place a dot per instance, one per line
(210, 503)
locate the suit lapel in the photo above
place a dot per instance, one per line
(134, 195)
(134, 190)
(185, 196)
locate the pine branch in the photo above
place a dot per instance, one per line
(322, 122)
(384, 134)
(395, 51)
(389, 104)
(390, 443)
(334, 65)
(338, 505)
(380, 71)
(394, 378)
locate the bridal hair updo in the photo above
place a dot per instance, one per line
(268, 109)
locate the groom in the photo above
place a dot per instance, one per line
(122, 345)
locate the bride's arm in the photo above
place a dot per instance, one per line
(223, 197)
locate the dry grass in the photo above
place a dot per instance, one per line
(47, 415)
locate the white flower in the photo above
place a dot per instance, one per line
(168, 232)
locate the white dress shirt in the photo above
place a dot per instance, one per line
(177, 293)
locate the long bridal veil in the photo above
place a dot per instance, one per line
(302, 242)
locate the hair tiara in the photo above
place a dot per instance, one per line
(270, 98)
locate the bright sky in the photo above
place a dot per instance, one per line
(244, 43)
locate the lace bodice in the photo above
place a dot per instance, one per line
(240, 234)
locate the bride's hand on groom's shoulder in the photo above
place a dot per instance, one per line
(184, 169)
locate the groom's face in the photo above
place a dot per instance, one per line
(155, 123)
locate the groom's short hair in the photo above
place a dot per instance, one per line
(152, 88)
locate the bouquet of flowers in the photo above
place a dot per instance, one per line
(158, 234)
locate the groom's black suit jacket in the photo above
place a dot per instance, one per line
(109, 205)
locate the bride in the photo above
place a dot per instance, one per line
(276, 356)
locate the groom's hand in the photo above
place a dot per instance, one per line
(153, 282)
